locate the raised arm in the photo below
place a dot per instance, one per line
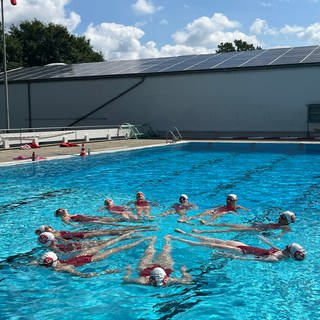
(266, 241)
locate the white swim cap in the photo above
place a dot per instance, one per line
(290, 216)
(49, 259)
(158, 276)
(41, 229)
(232, 196)
(296, 251)
(46, 238)
(184, 196)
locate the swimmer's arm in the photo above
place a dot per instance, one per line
(215, 214)
(167, 213)
(262, 259)
(193, 206)
(134, 281)
(127, 278)
(185, 279)
(91, 274)
(186, 276)
(204, 213)
(266, 241)
(243, 208)
(68, 221)
(243, 229)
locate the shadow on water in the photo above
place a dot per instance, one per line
(42, 196)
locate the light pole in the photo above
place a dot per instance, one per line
(6, 92)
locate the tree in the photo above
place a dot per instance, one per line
(35, 44)
(239, 45)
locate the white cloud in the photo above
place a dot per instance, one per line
(312, 33)
(116, 41)
(291, 29)
(209, 32)
(260, 26)
(46, 11)
(144, 7)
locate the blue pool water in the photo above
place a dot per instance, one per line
(268, 179)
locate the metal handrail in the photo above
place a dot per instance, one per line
(173, 135)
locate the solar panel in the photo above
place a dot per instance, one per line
(215, 61)
(209, 62)
(294, 55)
(181, 64)
(266, 57)
(313, 56)
(237, 59)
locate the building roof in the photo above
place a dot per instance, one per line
(190, 63)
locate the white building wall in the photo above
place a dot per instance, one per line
(247, 102)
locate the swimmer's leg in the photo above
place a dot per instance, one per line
(149, 253)
(164, 258)
(106, 254)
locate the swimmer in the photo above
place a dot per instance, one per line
(118, 210)
(50, 259)
(240, 250)
(157, 273)
(142, 205)
(231, 206)
(77, 235)
(48, 240)
(69, 218)
(181, 207)
(283, 223)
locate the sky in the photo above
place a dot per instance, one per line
(138, 29)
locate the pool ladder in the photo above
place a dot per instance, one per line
(173, 135)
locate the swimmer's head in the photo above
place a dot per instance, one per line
(60, 212)
(296, 251)
(48, 259)
(140, 195)
(108, 202)
(288, 216)
(42, 228)
(232, 197)
(46, 238)
(183, 197)
(158, 277)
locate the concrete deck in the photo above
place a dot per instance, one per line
(7, 155)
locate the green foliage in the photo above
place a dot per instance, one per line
(239, 45)
(36, 44)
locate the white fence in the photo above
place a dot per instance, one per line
(53, 135)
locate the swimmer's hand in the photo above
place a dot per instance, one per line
(108, 271)
(183, 269)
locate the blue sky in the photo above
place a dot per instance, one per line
(134, 29)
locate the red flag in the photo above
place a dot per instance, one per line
(13, 2)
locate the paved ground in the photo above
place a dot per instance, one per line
(7, 155)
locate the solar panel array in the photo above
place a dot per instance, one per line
(242, 59)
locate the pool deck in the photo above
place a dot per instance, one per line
(55, 151)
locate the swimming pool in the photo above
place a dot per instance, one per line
(268, 178)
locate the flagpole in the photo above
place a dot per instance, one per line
(6, 91)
